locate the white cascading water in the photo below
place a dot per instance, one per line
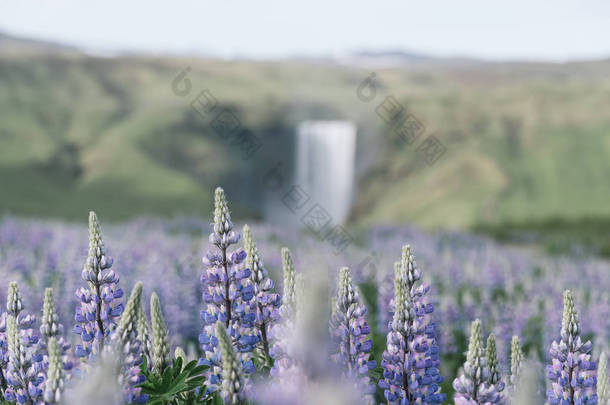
(326, 152)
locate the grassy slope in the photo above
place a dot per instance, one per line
(525, 146)
(525, 143)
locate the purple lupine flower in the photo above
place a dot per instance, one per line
(129, 349)
(56, 360)
(495, 377)
(24, 373)
(227, 294)
(473, 386)
(350, 333)
(411, 360)
(267, 302)
(572, 372)
(51, 328)
(100, 305)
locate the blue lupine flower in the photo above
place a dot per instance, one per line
(474, 386)
(572, 373)
(51, 328)
(24, 372)
(350, 333)
(128, 348)
(411, 360)
(227, 294)
(267, 302)
(100, 306)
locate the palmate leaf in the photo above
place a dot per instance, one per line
(177, 384)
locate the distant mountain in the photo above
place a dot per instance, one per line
(398, 58)
(525, 142)
(10, 43)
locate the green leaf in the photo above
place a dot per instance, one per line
(177, 385)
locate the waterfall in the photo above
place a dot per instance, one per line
(325, 158)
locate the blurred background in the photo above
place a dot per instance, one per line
(491, 118)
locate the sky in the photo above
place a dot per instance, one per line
(496, 30)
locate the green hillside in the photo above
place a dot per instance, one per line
(526, 143)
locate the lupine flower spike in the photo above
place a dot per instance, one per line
(473, 387)
(603, 381)
(54, 385)
(128, 348)
(283, 331)
(24, 373)
(572, 373)
(51, 328)
(289, 297)
(411, 360)
(160, 345)
(495, 378)
(144, 336)
(227, 295)
(100, 306)
(267, 302)
(350, 333)
(232, 377)
(516, 358)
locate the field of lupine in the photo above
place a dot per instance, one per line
(268, 316)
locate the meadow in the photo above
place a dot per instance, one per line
(405, 316)
(496, 292)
